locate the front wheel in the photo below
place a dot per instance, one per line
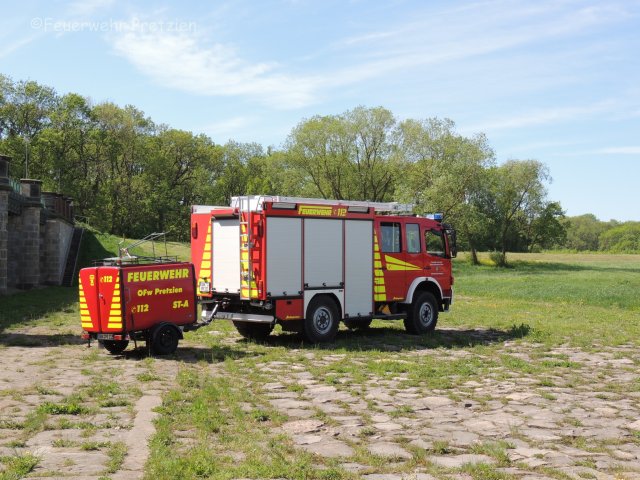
(114, 347)
(321, 323)
(422, 316)
(164, 340)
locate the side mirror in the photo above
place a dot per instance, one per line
(453, 247)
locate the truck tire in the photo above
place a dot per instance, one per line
(253, 330)
(114, 347)
(422, 314)
(321, 323)
(355, 324)
(164, 339)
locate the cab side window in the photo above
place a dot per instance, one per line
(413, 237)
(434, 240)
(390, 237)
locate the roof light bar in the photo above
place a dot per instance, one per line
(283, 206)
(358, 209)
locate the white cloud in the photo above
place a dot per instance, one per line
(181, 60)
(84, 8)
(541, 117)
(7, 48)
(475, 30)
(628, 150)
(435, 40)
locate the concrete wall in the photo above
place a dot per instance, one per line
(57, 240)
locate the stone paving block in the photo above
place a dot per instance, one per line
(458, 461)
(389, 450)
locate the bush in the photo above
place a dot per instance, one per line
(623, 238)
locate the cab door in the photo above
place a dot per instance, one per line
(437, 262)
(415, 262)
(389, 282)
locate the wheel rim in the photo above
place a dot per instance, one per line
(166, 338)
(425, 315)
(322, 320)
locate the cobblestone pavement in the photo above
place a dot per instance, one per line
(513, 409)
(564, 413)
(81, 412)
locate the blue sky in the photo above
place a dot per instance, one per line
(557, 81)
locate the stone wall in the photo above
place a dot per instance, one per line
(35, 235)
(4, 238)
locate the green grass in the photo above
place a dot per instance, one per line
(98, 245)
(218, 423)
(17, 466)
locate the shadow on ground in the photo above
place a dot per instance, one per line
(190, 354)
(39, 340)
(392, 339)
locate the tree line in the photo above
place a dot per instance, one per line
(129, 175)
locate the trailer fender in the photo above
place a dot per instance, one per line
(416, 283)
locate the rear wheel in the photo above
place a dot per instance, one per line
(164, 340)
(321, 323)
(115, 347)
(422, 315)
(253, 330)
(355, 324)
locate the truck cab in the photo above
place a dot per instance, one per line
(415, 253)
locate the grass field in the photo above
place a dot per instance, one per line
(537, 324)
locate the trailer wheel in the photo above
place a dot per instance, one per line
(357, 324)
(422, 315)
(114, 347)
(164, 339)
(253, 330)
(321, 323)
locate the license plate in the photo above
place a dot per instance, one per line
(204, 287)
(224, 315)
(105, 336)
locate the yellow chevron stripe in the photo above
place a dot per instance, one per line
(395, 264)
(205, 264)
(379, 290)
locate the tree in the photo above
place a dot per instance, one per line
(517, 197)
(622, 238)
(583, 232)
(176, 169)
(348, 156)
(25, 109)
(445, 172)
(544, 227)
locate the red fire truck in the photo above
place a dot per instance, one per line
(308, 263)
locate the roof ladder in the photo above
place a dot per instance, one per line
(247, 282)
